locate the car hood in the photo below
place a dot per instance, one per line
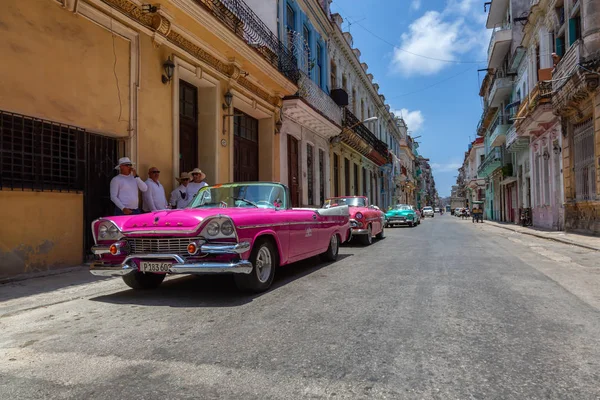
(396, 213)
(186, 221)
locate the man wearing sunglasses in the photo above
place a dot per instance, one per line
(124, 188)
(179, 196)
(154, 198)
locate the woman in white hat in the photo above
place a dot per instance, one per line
(124, 188)
(197, 182)
(179, 196)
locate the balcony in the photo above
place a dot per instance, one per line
(497, 13)
(498, 130)
(499, 45)
(244, 23)
(486, 118)
(360, 138)
(514, 142)
(492, 162)
(566, 65)
(313, 108)
(501, 89)
(540, 95)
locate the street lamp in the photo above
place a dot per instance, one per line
(338, 138)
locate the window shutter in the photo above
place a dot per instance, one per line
(560, 46)
(572, 30)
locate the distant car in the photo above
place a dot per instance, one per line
(428, 212)
(437, 210)
(366, 220)
(457, 212)
(402, 214)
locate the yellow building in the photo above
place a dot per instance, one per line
(176, 85)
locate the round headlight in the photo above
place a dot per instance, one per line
(102, 231)
(213, 228)
(113, 230)
(359, 215)
(227, 228)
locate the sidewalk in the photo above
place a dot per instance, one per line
(588, 242)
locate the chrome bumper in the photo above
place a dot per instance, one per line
(356, 231)
(206, 248)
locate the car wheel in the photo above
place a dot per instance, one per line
(143, 280)
(411, 224)
(368, 238)
(332, 251)
(381, 234)
(264, 259)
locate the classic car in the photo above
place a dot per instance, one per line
(402, 214)
(428, 212)
(365, 220)
(246, 229)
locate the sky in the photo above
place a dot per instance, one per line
(424, 55)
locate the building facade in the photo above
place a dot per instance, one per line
(178, 84)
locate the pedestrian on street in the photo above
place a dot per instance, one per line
(154, 198)
(179, 196)
(124, 188)
(197, 183)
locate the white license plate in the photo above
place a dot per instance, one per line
(148, 266)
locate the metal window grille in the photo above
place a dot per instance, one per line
(585, 168)
(40, 155)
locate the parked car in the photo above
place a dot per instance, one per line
(417, 213)
(428, 212)
(437, 210)
(244, 229)
(402, 214)
(365, 220)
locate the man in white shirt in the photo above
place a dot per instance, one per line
(197, 183)
(154, 198)
(179, 196)
(124, 188)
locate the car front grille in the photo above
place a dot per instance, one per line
(159, 245)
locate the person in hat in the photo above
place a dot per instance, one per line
(179, 196)
(154, 198)
(197, 182)
(124, 188)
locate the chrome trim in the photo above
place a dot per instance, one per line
(176, 257)
(360, 232)
(236, 267)
(100, 249)
(120, 270)
(284, 224)
(216, 248)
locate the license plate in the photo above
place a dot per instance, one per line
(148, 266)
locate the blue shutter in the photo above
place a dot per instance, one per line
(572, 30)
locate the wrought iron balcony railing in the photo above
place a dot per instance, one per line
(350, 121)
(566, 65)
(494, 156)
(239, 18)
(320, 100)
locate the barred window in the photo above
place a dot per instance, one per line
(585, 168)
(40, 155)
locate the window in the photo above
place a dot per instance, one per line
(336, 175)
(538, 183)
(245, 126)
(41, 155)
(362, 110)
(356, 188)
(546, 172)
(319, 66)
(574, 29)
(321, 176)
(585, 168)
(346, 177)
(290, 24)
(354, 101)
(333, 75)
(364, 183)
(345, 83)
(306, 45)
(310, 173)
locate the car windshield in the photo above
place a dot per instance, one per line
(255, 195)
(427, 209)
(345, 201)
(402, 207)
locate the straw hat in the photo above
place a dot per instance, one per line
(198, 171)
(182, 176)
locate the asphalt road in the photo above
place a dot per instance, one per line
(446, 310)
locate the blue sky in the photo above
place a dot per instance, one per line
(439, 100)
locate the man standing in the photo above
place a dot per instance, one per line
(154, 197)
(124, 188)
(179, 196)
(197, 183)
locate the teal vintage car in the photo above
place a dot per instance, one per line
(402, 214)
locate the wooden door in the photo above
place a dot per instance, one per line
(346, 177)
(188, 127)
(293, 178)
(245, 148)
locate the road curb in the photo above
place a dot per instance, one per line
(41, 274)
(508, 228)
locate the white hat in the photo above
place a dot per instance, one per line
(123, 160)
(198, 171)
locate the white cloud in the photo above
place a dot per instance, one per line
(446, 35)
(415, 4)
(414, 119)
(449, 167)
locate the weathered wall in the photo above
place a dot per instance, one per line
(60, 67)
(40, 231)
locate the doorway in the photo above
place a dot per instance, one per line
(245, 147)
(293, 178)
(188, 126)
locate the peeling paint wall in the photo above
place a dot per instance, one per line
(39, 231)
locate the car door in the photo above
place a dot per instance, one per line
(303, 232)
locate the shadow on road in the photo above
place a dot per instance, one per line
(211, 290)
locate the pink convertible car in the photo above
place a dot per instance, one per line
(246, 229)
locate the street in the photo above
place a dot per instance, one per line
(445, 310)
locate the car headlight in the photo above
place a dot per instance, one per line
(227, 228)
(358, 215)
(213, 228)
(102, 231)
(108, 231)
